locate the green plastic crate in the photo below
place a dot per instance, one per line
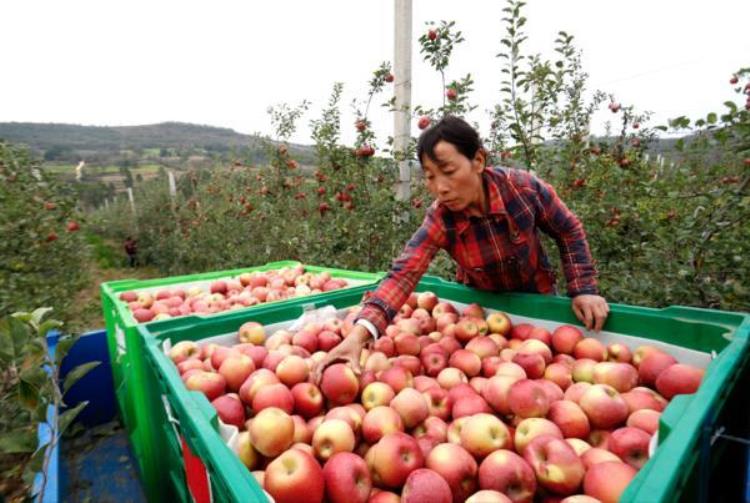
(130, 378)
(668, 476)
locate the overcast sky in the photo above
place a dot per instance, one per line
(222, 63)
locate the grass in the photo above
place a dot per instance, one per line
(108, 264)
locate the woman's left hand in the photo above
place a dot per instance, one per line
(592, 310)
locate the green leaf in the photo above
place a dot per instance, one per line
(14, 334)
(36, 463)
(711, 118)
(63, 347)
(48, 325)
(39, 314)
(68, 417)
(28, 394)
(77, 373)
(18, 441)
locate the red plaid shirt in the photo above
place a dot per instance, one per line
(500, 251)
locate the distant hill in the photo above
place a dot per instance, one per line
(71, 143)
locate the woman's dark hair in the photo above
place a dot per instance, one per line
(455, 131)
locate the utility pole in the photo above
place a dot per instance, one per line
(402, 116)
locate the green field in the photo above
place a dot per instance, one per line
(91, 169)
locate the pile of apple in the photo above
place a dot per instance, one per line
(248, 289)
(447, 407)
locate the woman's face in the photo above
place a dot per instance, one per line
(455, 180)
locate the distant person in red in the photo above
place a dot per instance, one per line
(131, 249)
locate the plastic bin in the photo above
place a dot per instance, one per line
(95, 387)
(130, 379)
(718, 339)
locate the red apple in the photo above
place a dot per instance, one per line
(273, 395)
(565, 338)
(589, 347)
(507, 472)
(236, 368)
(499, 323)
(466, 361)
(396, 455)
(484, 433)
(230, 409)
(184, 350)
(644, 398)
(442, 308)
(252, 332)
(645, 419)
(534, 427)
(631, 445)
(412, 406)
(339, 384)
(308, 400)
(272, 431)
(397, 378)
(245, 450)
(557, 466)
(438, 402)
(256, 381)
(570, 418)
(621, 376)
(532, 364)
(376, 394)
(679, 379)
(189, 364)
(433, 427)
(434, 361)
(619, 353)
(295, 477)
(653, 365)
(528, 399)
(407, 344)
(292, 370)
(466, 329)
(604, 406)
(483, 347)
(488, 496)
(595, 455)
(212, 385)
(496, 392)
(468, 405)
(410, 363)
(641, 352)
(521, 331)
(540, 334)
(473, 311)
(576, 390)
(427, 300)
(583, 370)
(332, 436)
(450, 377)
(607, 481)
(454, 464)
(347, 478)
(379, 422)
(560, 374)
(424, 485)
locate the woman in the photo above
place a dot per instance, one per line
(487, 219)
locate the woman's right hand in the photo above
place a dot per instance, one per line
(347, 351)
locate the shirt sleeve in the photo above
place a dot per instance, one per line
(383, 305)
(557, 221)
